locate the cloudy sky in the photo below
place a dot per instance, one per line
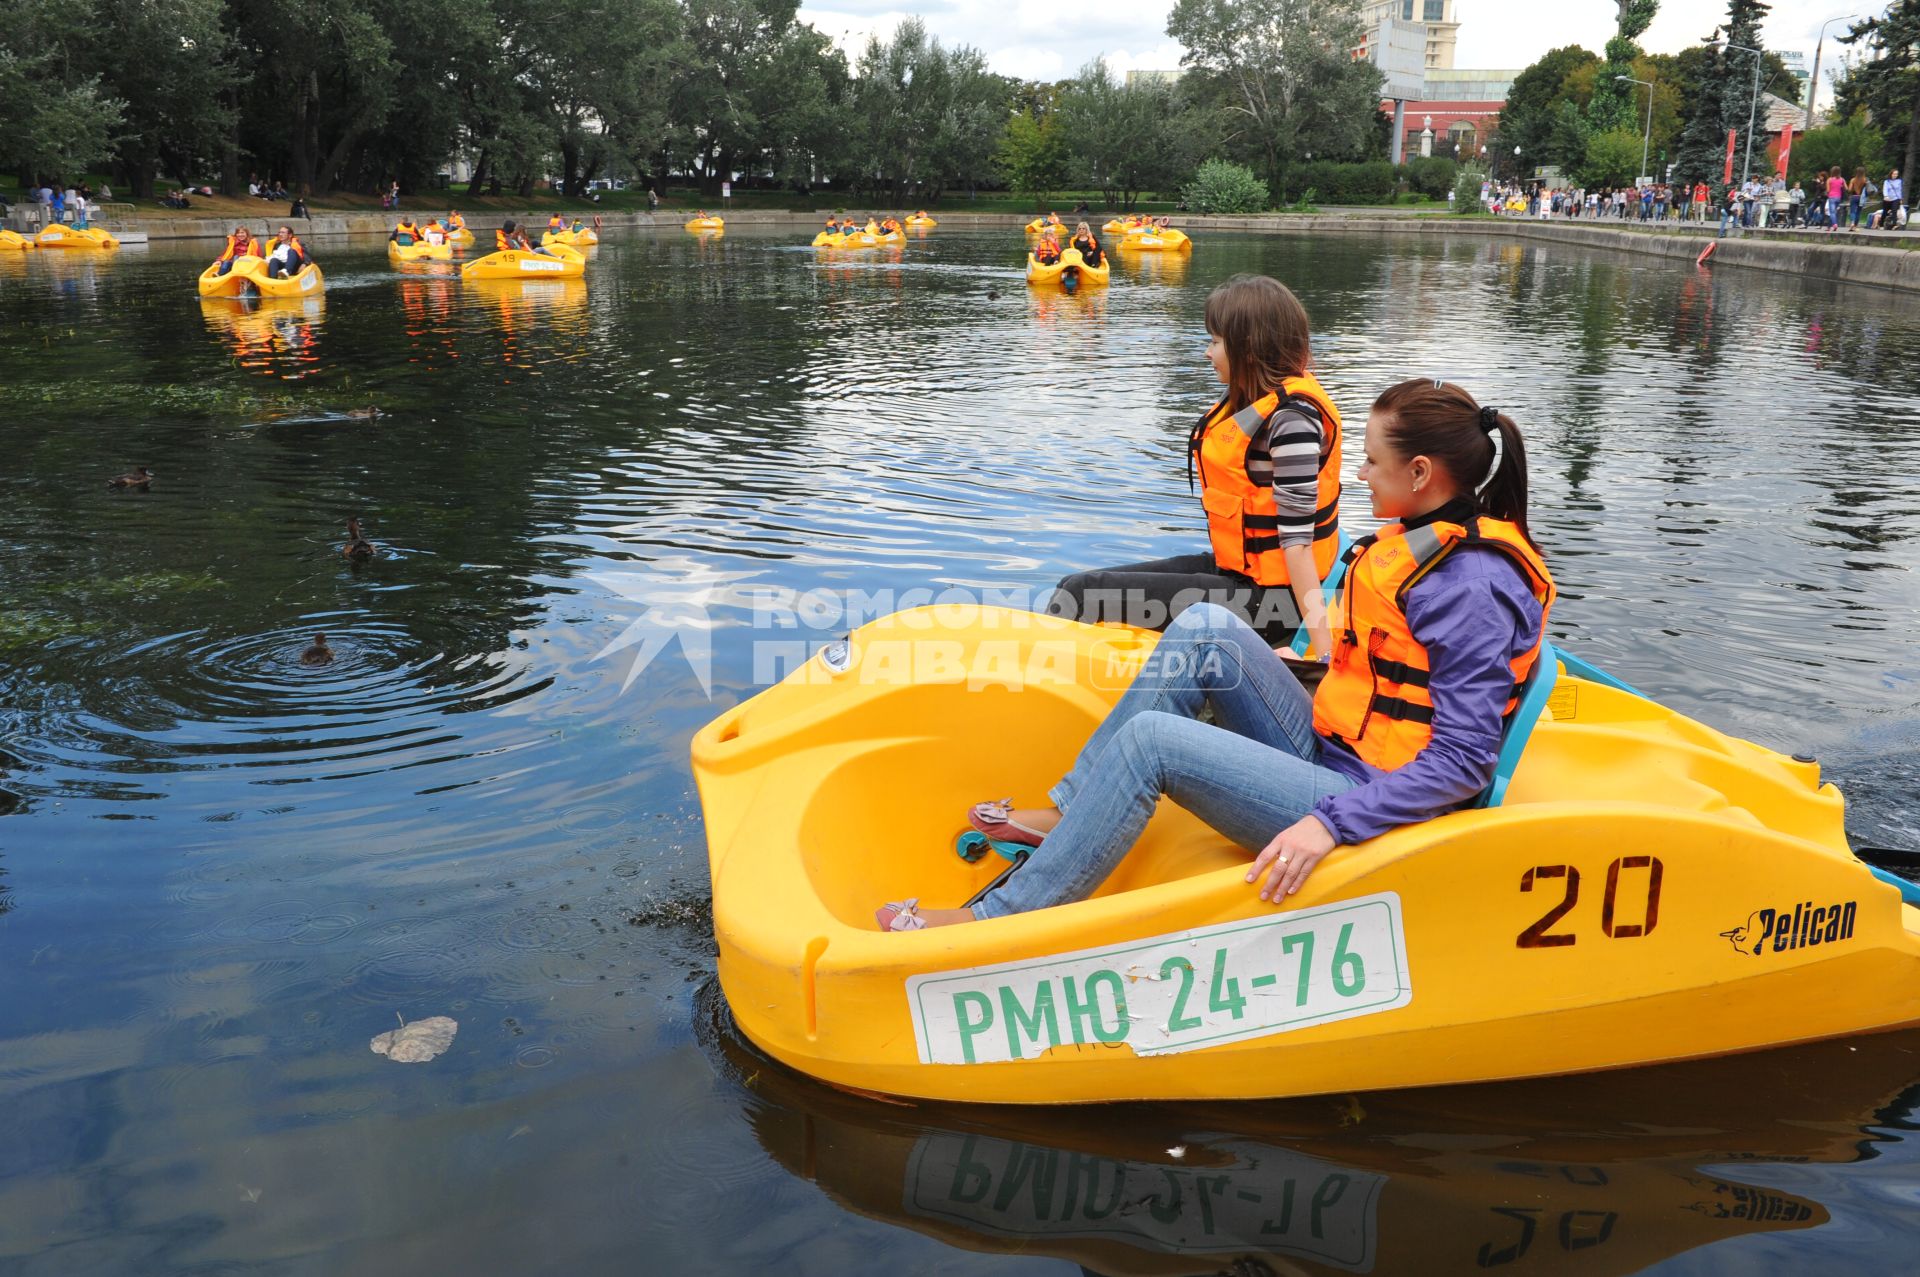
(1049, 41)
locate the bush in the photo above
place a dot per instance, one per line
(1220, 187)
(1466, 191)
(1432, 176)
(1371, 182)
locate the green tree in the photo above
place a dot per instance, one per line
(1125, 138)
(1612, 158)
(1887, 84)
(1034, 155)
(171, 62)
(1612, 103)
(61, 118)
(926, 112)
(1285, 70)
(1530, 117)
(1737, 104)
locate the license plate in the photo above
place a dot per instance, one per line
(1178, 992)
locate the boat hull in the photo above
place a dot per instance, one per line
(249, 278)
(1650, 891)
(513, 263)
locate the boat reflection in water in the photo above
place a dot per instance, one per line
(1169, 269)
(276, 336)
(1607, 1173)
(537, 320)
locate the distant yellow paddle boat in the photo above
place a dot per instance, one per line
(514, 263)
(921, 223)
(1150, 239)
(13, 239)
(419, 251)
(58, 236)
(1639, 888)
(707, 224)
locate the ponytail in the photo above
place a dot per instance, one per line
(1480, 448)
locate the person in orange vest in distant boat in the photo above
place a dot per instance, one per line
(239, 244)
(287, 256)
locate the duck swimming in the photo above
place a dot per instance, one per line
(318, 653)
(358, 547)
(369, 413)
(140, 479)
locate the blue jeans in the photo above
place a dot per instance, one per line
(1251, 776)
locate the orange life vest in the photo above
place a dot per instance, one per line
(456, 222)
(1375, 695)
(293, 242)
(500, 241)
(556, 223)
(232, 250)
(1243, 522)
(407, 228)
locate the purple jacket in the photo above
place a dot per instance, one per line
(1474, 614)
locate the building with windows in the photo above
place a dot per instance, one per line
(1435, 17)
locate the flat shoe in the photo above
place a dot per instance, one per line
(996, 821)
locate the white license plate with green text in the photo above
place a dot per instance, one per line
(1178, 992)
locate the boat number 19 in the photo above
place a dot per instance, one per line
(1641, 872)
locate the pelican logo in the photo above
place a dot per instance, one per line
(1803, 926)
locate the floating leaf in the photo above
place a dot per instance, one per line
(418, 1042)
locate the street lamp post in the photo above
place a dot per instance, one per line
(1746, 164)
(1646, 138)
(1813, 81)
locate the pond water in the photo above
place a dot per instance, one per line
(223, 872)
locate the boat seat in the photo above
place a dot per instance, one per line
(1534, 695)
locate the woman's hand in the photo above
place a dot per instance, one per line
(1292, 855)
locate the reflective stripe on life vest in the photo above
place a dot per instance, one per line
(1243, 522)
(1375, 695)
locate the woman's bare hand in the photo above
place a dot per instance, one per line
(1291, 856)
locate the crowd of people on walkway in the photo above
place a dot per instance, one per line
(1832, 201)
(73, 205)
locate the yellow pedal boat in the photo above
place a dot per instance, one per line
(1143, 240)
(419, 251)
(514, 263)
(1040, 224)
(852, 239)
(707, 224)
(13, 239)
(462, 238)
(249, 278)
(1119, 226)
(1071, 267)
(921, 223)
(1644, 889)
(73, 237)
(582, 238)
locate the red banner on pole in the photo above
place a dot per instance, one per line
(1786, 149)
(1729, 174)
